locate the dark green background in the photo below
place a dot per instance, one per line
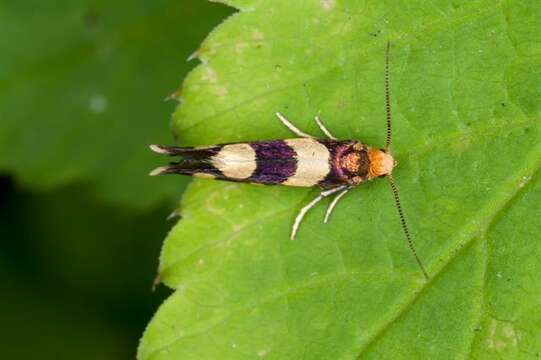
(81, 225)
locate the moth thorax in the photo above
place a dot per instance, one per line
(381, 163)
(351, 162)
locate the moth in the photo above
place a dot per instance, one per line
(335, 166)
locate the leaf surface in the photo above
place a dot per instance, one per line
(466, 104)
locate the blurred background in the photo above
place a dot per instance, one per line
(82, 88)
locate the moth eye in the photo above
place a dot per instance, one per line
(382, 176)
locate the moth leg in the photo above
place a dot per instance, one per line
(292, 127)
(333, 204)
(310, 205)
(324, 129)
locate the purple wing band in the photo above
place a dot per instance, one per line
(275, 162)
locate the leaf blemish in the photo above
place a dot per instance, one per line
(258, 35)
(328, 4)
(262, 352)
(510, 333)
(91, 18)
(501, 337)
(98, 104)
(239, 47)
(209, 75)
(524, 181)
(209, 204)
(221, 91)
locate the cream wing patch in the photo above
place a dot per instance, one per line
(236, 161)
(312, 162)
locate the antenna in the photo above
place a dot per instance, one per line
(387, 97)
(394, 188)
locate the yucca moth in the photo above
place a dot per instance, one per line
(335, 166)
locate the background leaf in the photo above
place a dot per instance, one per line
(82, 89)
(467, 132)
(80, 222)
(74, 274)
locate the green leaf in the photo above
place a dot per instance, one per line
(82, 89)
(83, 243)
(68, 284)
(57, 328)
(466, 96)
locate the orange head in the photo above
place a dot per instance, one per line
(381, 163)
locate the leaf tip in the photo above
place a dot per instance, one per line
(193, 55)
(174, 215)
(174, 95)
(157, 280)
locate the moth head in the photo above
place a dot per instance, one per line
(381, 163)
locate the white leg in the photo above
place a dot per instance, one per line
(292, 127)
(333, 204)
(310, 205)
(324, 129)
